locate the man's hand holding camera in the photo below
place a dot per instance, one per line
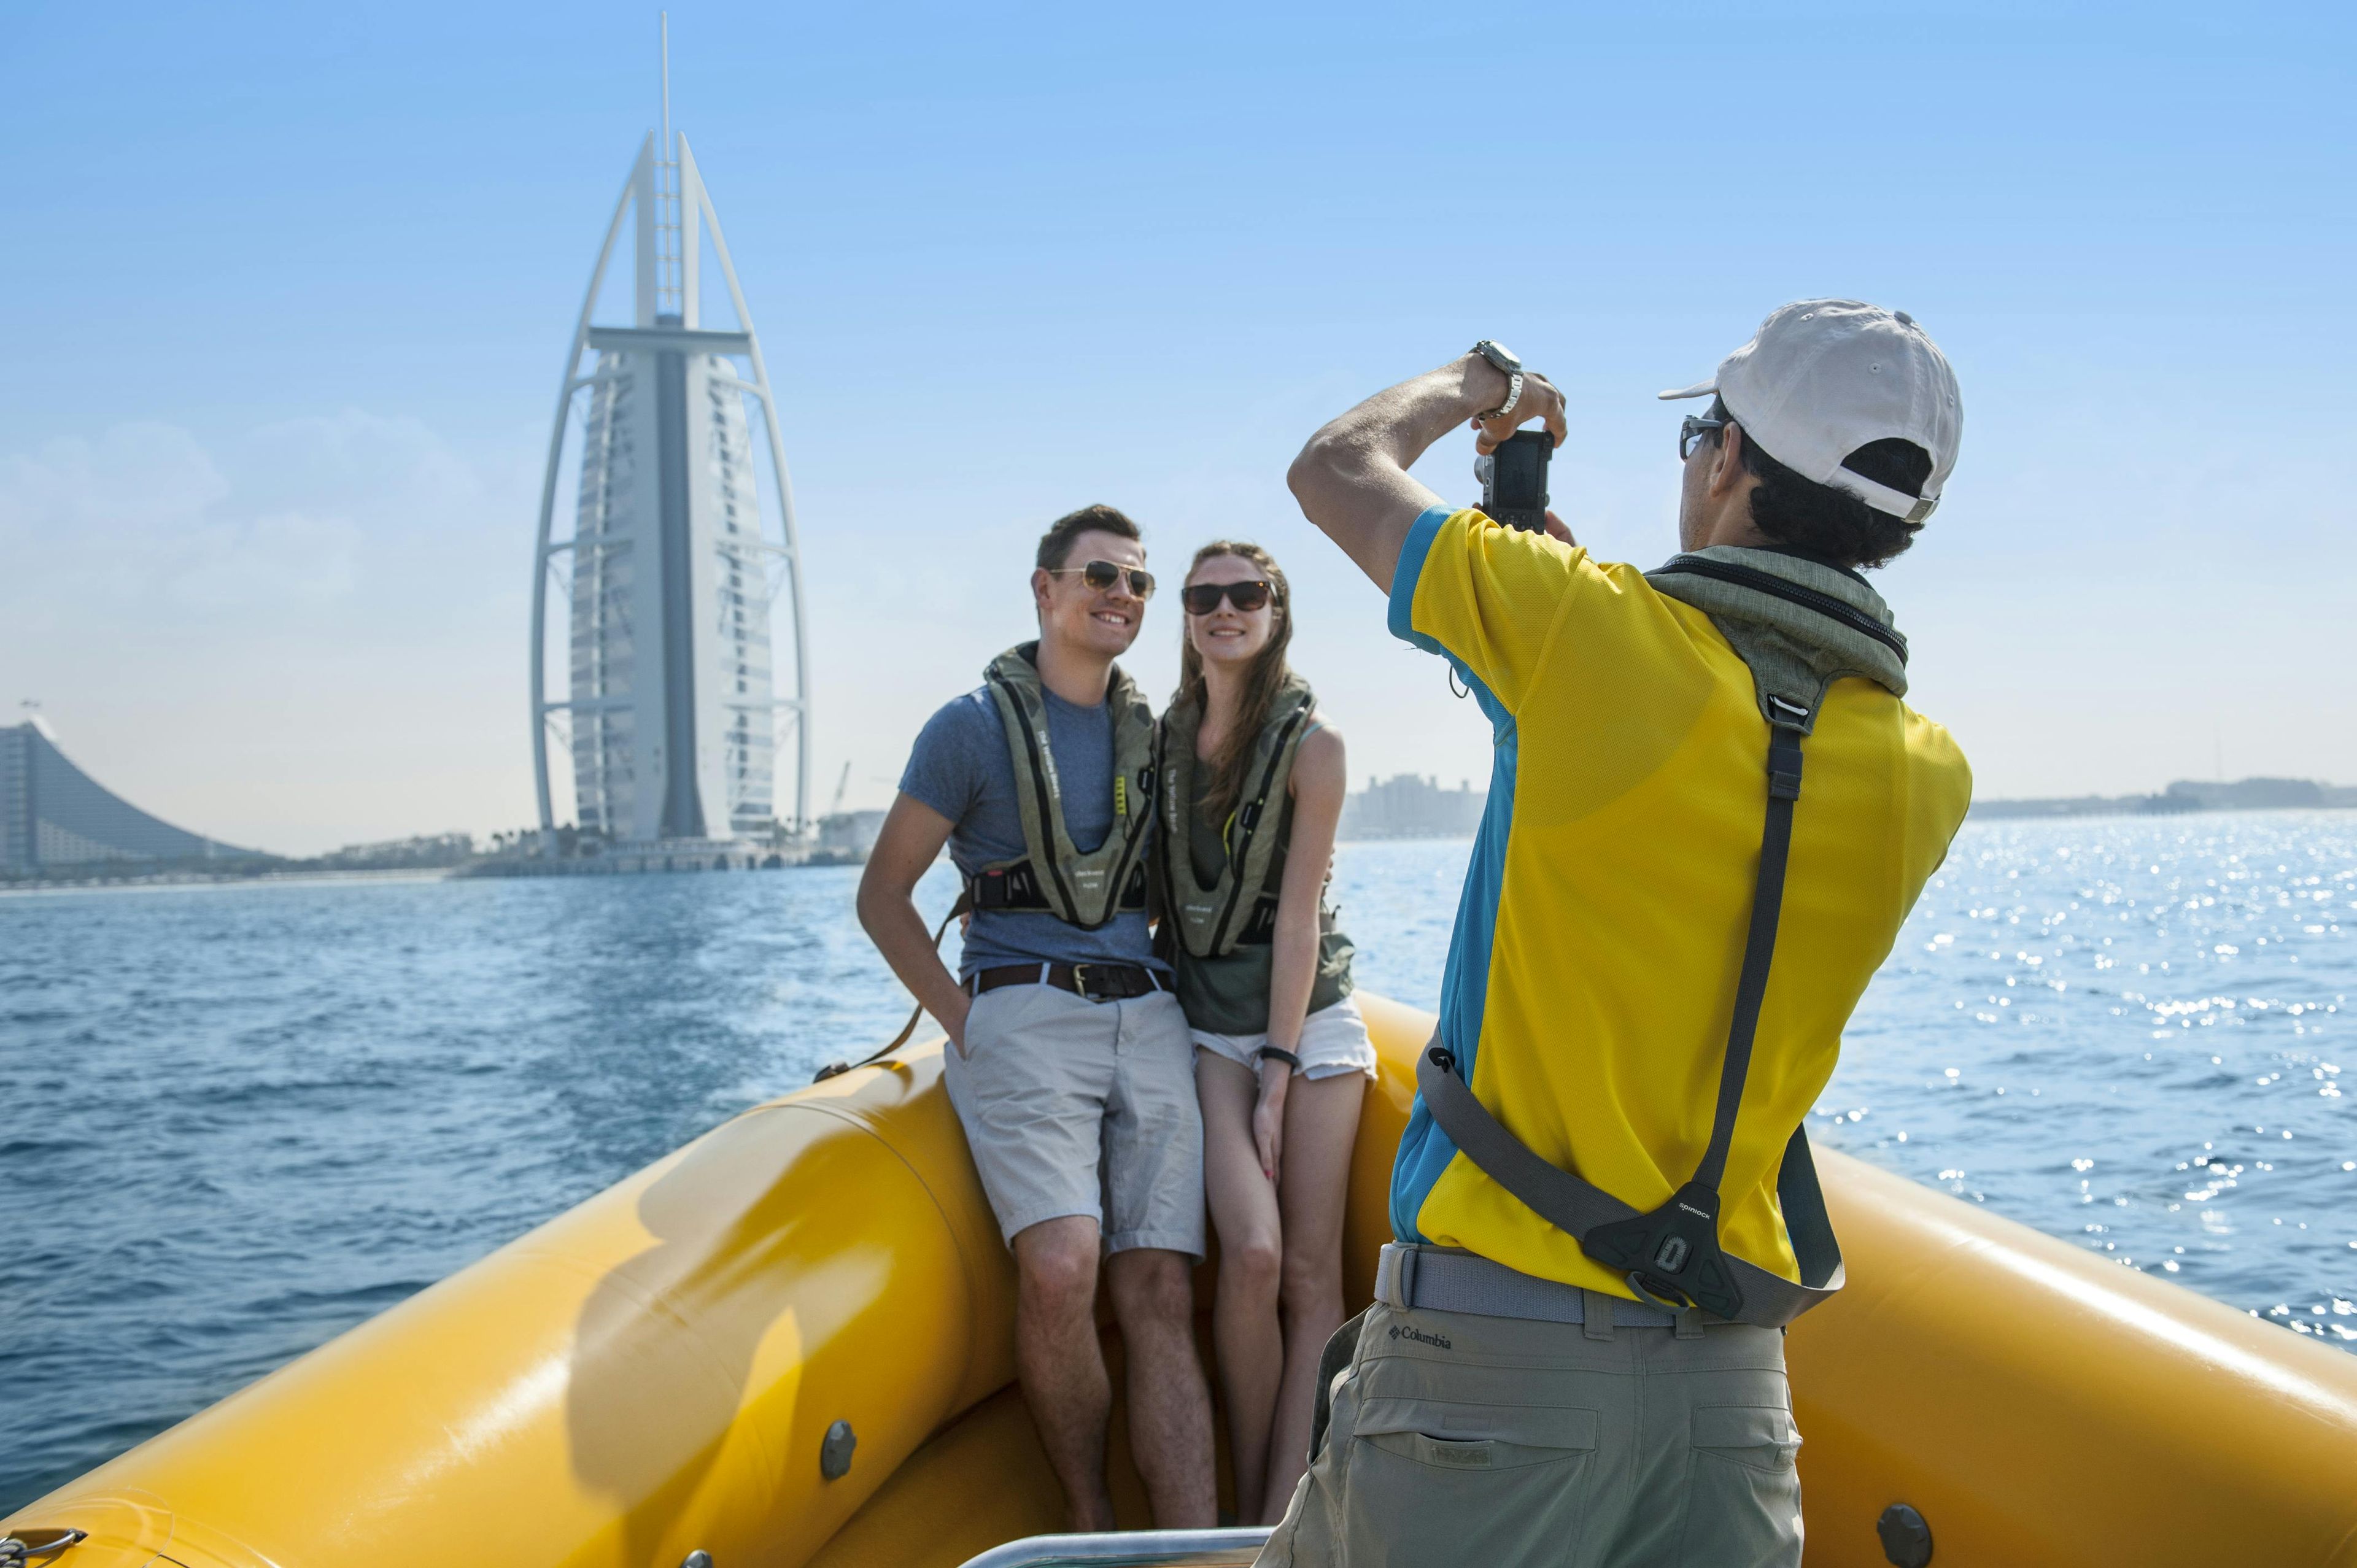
(1352, 477)
(1539, 401)
(1536, 398)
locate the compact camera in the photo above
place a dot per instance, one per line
(1515, 480)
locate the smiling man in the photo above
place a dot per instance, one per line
(1071, 1063)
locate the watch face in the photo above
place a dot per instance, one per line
(1498, 354)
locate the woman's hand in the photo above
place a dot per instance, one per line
(1268, 1116)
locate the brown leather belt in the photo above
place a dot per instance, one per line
(1096, 981)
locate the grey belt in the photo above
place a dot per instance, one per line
(1444, 1279)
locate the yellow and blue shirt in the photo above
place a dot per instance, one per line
(1592, 971)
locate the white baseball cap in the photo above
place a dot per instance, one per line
(1824, 377)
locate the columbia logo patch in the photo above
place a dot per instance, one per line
(1421, 1338)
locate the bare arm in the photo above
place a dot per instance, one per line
(1352, 479)
(1320, 777)
(906, 848)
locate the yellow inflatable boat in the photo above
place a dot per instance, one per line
(790, 1343)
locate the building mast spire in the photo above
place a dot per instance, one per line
(671, 211)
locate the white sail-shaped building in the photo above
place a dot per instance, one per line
(675, 715)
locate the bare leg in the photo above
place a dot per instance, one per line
(1169, 1408)
(1244, 1329)
(1056, 1357)
(1321, 1125)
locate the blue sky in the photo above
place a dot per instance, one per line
(289, 288)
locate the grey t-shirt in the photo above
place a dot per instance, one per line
(960, 768)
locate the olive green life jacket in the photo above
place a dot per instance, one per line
(1085, 889)
(1241, 904)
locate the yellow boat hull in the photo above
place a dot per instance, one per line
(655, 1373)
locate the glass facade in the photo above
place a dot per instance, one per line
(673, 724)
(604, 723)
(52, 814)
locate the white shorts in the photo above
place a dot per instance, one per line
(1333, 1041)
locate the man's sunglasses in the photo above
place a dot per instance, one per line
(1203, 598)
(1103, 574)
(1693, 429)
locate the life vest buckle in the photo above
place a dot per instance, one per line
(1672, 1256)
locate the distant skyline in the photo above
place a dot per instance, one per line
(285, 344)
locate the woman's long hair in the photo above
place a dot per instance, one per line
(1268, 671)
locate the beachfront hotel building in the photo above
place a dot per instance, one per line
(680, 726)
(53, 814)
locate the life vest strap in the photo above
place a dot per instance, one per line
(1053, 869)
(1017, 888)
(1578, 1207)
(1673, 1255)
(1260, 926)
(1240, 909)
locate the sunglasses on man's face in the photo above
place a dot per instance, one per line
(1203, 598)
(1691, 431)
(1103, 574)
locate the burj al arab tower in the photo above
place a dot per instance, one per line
(678, 708)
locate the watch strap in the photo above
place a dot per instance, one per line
(1513, 396)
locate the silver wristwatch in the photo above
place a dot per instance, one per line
(1506, 359)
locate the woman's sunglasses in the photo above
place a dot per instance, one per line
(1103, 574)
(1203, 598)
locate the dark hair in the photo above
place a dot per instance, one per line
(1056, 542)
(1833, 523)
(1260, 682)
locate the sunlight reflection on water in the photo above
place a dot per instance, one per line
(2132, 1032)
(2128, 1032)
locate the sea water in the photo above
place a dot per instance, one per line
(236, 1121)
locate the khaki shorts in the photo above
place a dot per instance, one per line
(1333, 1042)
(1458, 1439)
(1080, 1107)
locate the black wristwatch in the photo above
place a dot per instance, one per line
(1506, 359)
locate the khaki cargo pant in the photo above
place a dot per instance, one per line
(1458, 1439)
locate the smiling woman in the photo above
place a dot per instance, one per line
(1252, 780)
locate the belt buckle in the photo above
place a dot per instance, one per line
(1080, 982)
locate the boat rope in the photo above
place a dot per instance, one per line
(965, 906)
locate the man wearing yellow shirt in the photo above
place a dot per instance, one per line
(1711, 811)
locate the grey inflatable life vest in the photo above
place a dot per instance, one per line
(1796, 639)
(1081, 889)
(1241, 906)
